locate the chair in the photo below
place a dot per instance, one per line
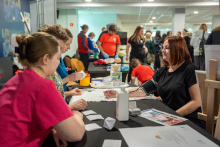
(78, 64)
(6, 70)
(213, 100)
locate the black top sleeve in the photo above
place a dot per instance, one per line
(129, 41)
(190, 75)
(84, 42)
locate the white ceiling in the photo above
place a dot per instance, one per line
(140, 12)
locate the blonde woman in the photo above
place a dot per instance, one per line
(149, 45)
(199, 61)
(138, 49)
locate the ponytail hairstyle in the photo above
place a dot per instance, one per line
(33, 47)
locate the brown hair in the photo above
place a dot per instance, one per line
(203, 27)
(148, 31)
(55, 30)
(179, 32)
(84, 27)
(178, 51)
(35, 50)
(113, 27)
(189, 34)
(135, 62)
(69, 34)
(185, 30)
(135, 35)
(168, 33)
(103, 28)
(91, 34)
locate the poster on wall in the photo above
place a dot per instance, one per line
(9, 41)
(27, 16)
(12, 9)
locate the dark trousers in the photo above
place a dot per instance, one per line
(199, 61)
(157, 60)
(102, 57)
(84, 57)
(139, 56)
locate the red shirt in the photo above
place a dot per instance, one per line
(82, 42)
(109, 42)
(143, 73)
(29, 106)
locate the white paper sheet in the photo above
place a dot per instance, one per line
(89, 112)
(165, 136)
(111, 143)
(94, 117)
(97, 95)
(92, 127)
(212, 52)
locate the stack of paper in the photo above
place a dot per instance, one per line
(94, 117)
(92, 127)
(111, 143)
(88, 112)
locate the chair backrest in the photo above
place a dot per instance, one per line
(201, 77)
(6, 69)
(78, 64)
(69, 63)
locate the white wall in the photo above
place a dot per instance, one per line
(119, 24)
(67, 16)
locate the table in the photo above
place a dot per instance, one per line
(92, 59)
(101, 71)
(96, 138)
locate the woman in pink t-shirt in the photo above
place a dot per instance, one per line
(28, 110)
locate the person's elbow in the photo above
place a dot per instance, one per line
(76, 135)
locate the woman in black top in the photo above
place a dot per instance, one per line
(138, 49)
(188, 39)
(176, 81)
(157, 46)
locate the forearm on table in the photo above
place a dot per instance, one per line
(65, 80)
(67, 93)
(190, 107)
(138, 93)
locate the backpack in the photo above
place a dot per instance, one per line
(201, 46)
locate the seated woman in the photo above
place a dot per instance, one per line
(142, 72)
(28, 109)
(175, 82)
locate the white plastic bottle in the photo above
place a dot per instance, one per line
(122, 105)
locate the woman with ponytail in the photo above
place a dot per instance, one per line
(28, 111)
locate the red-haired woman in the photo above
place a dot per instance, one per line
(177, 85)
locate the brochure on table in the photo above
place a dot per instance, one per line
(161, 117)
(165, 136)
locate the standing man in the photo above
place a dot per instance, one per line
(109, 43)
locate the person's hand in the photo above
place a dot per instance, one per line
(75, 76)
(117, 56)
(57, 137)
(110, 94)
(79, 105)
(91, 51)
(75, 91)
(126, 58)
(78, 114)
(106, 56)
(146, 50)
